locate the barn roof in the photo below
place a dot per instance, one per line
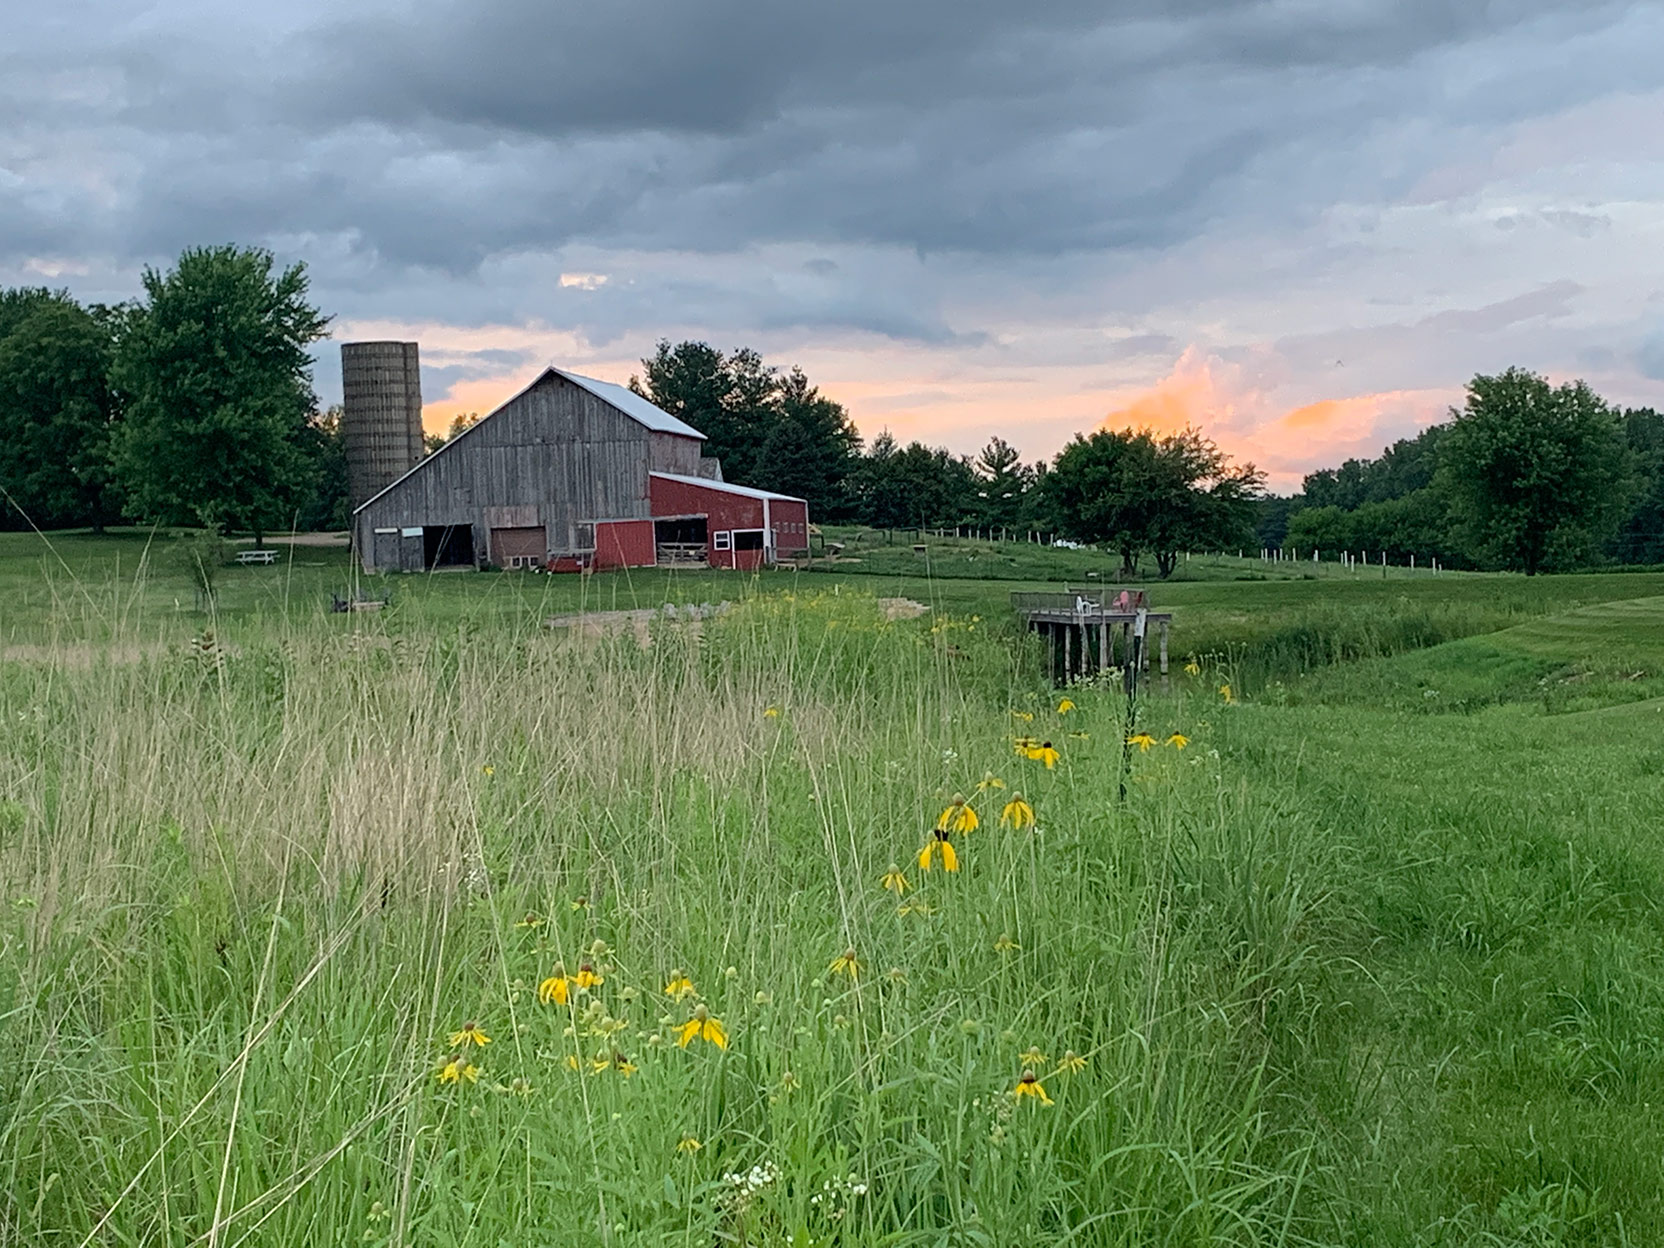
(623, 398)
(725, 487)
(630, 403)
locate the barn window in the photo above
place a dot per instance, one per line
(583, 536)
(748, 539)
(722, 541)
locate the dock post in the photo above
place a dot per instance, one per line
(1164, 624)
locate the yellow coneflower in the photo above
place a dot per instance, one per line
(1080, 736)
(1225, 692)
(678, 986)
(894, 881)
(1017, 814)
(688, 1145)
(532, 921)
(1065, 706)
(489, 770)
(557, 989)
(1071, 1063)
(918, 906)
(772, 712)
(1029, 1085)
(1024, 744)
(845, 964)
(587, 978)
(471, 1033)
(580, 903)
(615, 1061)
(1193, 668)
(1026, 716)
(1005, 944)
(958, 817)
(701, 1027)
(1178, 740)
(939, 844)
(989, 781)
(1044, 753)
(1032, 1056)
(1142, 740)
(457, 1069)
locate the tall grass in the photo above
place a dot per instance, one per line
(251, 892)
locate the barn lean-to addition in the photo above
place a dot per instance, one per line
(574, 473)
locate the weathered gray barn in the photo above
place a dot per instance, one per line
(557, 476)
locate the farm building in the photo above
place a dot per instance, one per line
(573, 473)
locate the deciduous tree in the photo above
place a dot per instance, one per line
(217, 378)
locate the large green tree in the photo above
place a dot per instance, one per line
(1538, 475)
(810, 448)
(916, 486)
(1134, 492)
(217, 380)
(57, 411)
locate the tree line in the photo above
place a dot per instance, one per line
(190, 405)
(1525, 476)
(1133, 491)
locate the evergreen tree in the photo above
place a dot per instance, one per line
(1004, 484)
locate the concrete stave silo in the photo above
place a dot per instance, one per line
(381, 414)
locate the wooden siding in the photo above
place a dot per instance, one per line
(555, 455)
(671, 452)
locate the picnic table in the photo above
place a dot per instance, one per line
(256, 556)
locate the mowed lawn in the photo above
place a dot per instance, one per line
(1374, 956)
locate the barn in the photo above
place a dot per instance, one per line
(572, 474)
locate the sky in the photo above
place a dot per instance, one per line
(1300, 225)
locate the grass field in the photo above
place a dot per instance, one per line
(1374, 957)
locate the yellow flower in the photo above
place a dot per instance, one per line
(580, 903)
(701, 1027)
(1178, 740)
(989, 781)
(1071, 1063)
(1033, 1056)
(921, 906)
(532, 921)
(587, 978)
(470, 1034)
(938, 844)
(894, 881)
(489, 770)
(1193, 668)
(1017, 814)
(1026, 716)
(556, 990)
(1080, 736)
(772, 712)
(958, 817)
(1225, 692)
(1065, 706)
(1142, 740)
(1005, 944)
(679, 986)
(845, 964)
(1024, 744)
(688, 1145)
(1044, 753)
(1029, 1085)
(617, 1062)
(457, 1069)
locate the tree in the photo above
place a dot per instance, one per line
(217, 379)
(1135, 492)
(1003, 484)
(810, 449)
(913, 487)
(726, 399)
(326, 507)
(1538, 475)
(1641, 537)
(57, 411)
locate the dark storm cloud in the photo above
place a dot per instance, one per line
(418, 147)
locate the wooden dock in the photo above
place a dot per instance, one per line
(1093, 630)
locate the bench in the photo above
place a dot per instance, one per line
(256, 556)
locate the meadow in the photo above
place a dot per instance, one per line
(1364, 951)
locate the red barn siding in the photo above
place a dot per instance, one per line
(728, 512)
(624, 544)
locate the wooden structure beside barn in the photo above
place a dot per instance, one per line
(573, 474)
(1084, 629)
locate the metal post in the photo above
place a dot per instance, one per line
(1164, 647)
